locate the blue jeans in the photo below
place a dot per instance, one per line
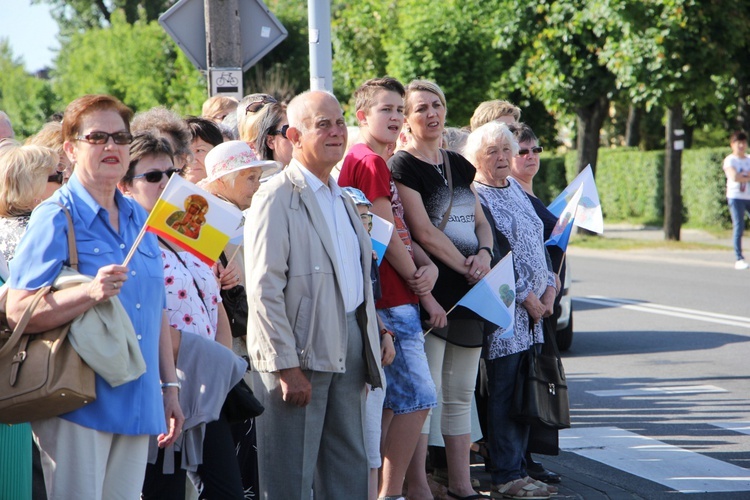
(410, 386)
(737, 209)
(507, 437)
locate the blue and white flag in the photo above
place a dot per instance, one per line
(381, 235)
(561, 232)
(494, 296)
(589, 213)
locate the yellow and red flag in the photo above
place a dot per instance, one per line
(194, 219)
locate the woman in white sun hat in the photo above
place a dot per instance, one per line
(234, 173)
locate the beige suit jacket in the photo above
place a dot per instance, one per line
(296, 310)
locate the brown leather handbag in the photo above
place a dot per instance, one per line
(41, 375)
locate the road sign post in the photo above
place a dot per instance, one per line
(259, 31)
(225, 81)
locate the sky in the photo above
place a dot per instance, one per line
(31, 31)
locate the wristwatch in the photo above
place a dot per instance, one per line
(489, 251)
(385, 331)
(165, 385)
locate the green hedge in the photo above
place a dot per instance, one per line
(631, 184)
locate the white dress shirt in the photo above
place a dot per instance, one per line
(348, 253)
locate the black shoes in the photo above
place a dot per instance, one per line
(538, 472)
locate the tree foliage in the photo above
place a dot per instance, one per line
(27, 100)
(74, 16)
(137, 63)
(676, 51)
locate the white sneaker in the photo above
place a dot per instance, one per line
(741, 264)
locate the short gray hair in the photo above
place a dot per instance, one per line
(489, 133)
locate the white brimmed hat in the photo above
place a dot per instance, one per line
(232, 156)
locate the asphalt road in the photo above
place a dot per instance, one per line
(658, 376)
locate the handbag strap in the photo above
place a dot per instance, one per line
(72, 249)
(449, 179)
(26, 316)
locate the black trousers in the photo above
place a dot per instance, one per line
(217, 477)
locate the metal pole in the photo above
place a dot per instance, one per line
(223, 42)
(321, 53)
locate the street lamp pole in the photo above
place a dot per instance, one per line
(321, 53)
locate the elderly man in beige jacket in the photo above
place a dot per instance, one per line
(312, 331)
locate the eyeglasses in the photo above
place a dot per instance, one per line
(258, 103)
(536, 150)
(156, 175)
(57, 178)
(281, 131)
(120, 138)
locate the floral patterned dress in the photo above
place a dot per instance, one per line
(186, 310)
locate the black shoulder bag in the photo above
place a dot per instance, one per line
(541, 393)
(235, 303)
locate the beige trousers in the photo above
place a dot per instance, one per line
(82, 463)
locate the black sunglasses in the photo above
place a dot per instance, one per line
(120, 138)
(155, 176)
(57, 178)
(281, 131)
(536, 150)
(258, 103)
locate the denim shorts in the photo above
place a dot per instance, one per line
(409, 384)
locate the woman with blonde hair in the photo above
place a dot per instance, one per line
(24, 171)
(446, 219)
(23, 177)
(216, 108)
(50, 136)
(249, 115)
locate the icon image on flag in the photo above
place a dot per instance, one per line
(194, 219)
(494, 296)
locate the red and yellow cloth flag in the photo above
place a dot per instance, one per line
(194, 219)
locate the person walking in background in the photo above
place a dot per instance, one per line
(737, 169)
(312, 331)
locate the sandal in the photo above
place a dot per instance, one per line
(470, 497)
(553, 490)
(440, 476)
(519, 488)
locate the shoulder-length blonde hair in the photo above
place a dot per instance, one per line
(23, 177)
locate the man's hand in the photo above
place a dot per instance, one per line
(295, 387)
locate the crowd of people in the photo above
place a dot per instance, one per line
(359, 401)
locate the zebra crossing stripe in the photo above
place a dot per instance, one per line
(674, 467)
